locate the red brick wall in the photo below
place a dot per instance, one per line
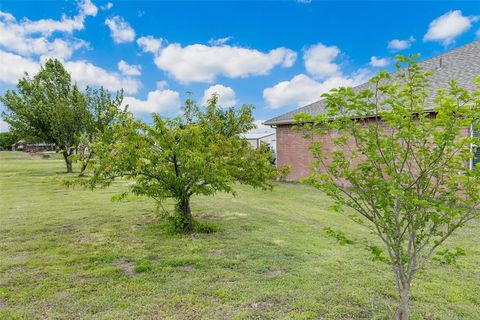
(293, 150)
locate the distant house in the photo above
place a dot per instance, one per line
(19, 145)
(257, 139)
(33, 147)
(461, 64)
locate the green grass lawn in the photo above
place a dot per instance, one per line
(71, 254)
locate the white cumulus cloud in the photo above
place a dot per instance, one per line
(48, 26)
(107, 6)
(220, 41)
(302, 90)
(86, 73)
(203, 63)
(379, 62)
(320, 61)
(157, 101)
(150, 44)
(397, 44)
(88, 8)
(129, 69)
(27, 37)
(448, 27)
(120, 30)
(6, 16)
(226, 95)
(162, 84)
(324, 74)
(14, 66)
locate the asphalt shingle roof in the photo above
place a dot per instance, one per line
(461, 64)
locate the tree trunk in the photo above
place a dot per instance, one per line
(68, 162)
(187, 219)
(402, 312)
(82, 169)
(85, 164)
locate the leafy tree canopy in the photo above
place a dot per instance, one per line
(48, 107)
(7, 139)
(403, 169)
(200, 152)
(102, 109)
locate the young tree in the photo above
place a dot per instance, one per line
(101, 112)
(200, 152)
(47, 107)
(403, 169)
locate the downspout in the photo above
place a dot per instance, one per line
(471, 148)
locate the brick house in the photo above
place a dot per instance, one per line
(22, 145)
(461, 64)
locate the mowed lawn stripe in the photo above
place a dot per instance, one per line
(73, 253)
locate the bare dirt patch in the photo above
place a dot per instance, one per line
(3, 301)
(187, 267)
(269, 304)
(91, 238)
(274, 272)
(216, 252)
(232, 215)
(127, 267)
(60, 229)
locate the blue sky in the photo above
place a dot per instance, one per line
(277, 55)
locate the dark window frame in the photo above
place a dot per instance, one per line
(474, 148)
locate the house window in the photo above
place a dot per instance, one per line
(474, 132)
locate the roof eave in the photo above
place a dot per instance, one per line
(274, 123)
(292, 121)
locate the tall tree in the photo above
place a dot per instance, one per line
(403, 169)
(102, 109)
(200, 152)
(48, 107)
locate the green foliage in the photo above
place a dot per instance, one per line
(283, 172)
(63, 256)
(7, 139)
(200, 152)
(205, 227)
(102, 109)
(401, 168)
(377, 253)
(339, 235)
(447, 256)
(178, 222)
(143, 266)
(47, 107)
